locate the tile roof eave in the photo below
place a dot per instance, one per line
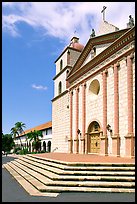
(39, 127)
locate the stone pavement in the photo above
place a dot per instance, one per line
(92, 158)
(68, 158)
(13, 192)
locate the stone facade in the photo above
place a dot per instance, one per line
(96, 114)
(60, 123)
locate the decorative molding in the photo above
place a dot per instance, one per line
(132, 55)
(107, 38)
(114, 137)
(102, 137)
(130, 135)
(109, 65)
(118, 64)
(108, 52)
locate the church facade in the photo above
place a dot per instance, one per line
(93, 109)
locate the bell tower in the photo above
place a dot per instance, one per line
(64, 64)
(60, 109)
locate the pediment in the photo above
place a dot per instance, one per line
(101, 43)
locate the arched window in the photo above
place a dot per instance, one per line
(94, 48)
(68, 57)
(61, 64)
(94, 127)
(93, 52)
(60, 88)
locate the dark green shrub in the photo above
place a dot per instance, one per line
(23, 151)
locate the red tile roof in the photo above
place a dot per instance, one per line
(39, 127)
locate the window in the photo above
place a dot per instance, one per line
(61, 64)
(94, 48)
(68, 57)
(60, 88)
(93, 52)
(67, 72)
(94, 87)
(96, 126)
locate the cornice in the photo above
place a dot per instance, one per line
(68, 66)
(114, 47)
(98, 40)
(106, 66)
(59, 96)
(67, 48)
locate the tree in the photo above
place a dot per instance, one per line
(14, 132)
(20, 126)
(7, 142)
(17, 130)
(34, 136)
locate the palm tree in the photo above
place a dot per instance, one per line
(14, 132)
(35, 137)
(20, 126)
(17, 130)
(20, 130)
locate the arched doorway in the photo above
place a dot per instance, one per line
(49, 146)
(39, 145)
(44, 146)
(94, 137)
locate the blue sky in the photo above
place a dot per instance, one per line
(33, 36)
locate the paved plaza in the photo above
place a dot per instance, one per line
(13, 192)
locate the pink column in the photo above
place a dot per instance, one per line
(105, 143)
(71, 117)
(116, 138)
(130, 94)
(76, 147)
(130, 104)
(83, 117)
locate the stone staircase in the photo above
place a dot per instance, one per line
(47, 175)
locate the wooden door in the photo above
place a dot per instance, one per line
(94, 143)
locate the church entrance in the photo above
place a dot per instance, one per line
(94, 137)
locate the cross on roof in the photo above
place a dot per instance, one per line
(75, 32)
(103, 11)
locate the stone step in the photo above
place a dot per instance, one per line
(81, 176)
(69, 186)
(34, 182)
(74, 181)
(51, 189)
(27, 185)
(79, 164)
(50, 178)
(92, 184)
(37, 170)
(95, 178)
(86, 189)
(63, 172)
(41, 165)
(104, 167)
